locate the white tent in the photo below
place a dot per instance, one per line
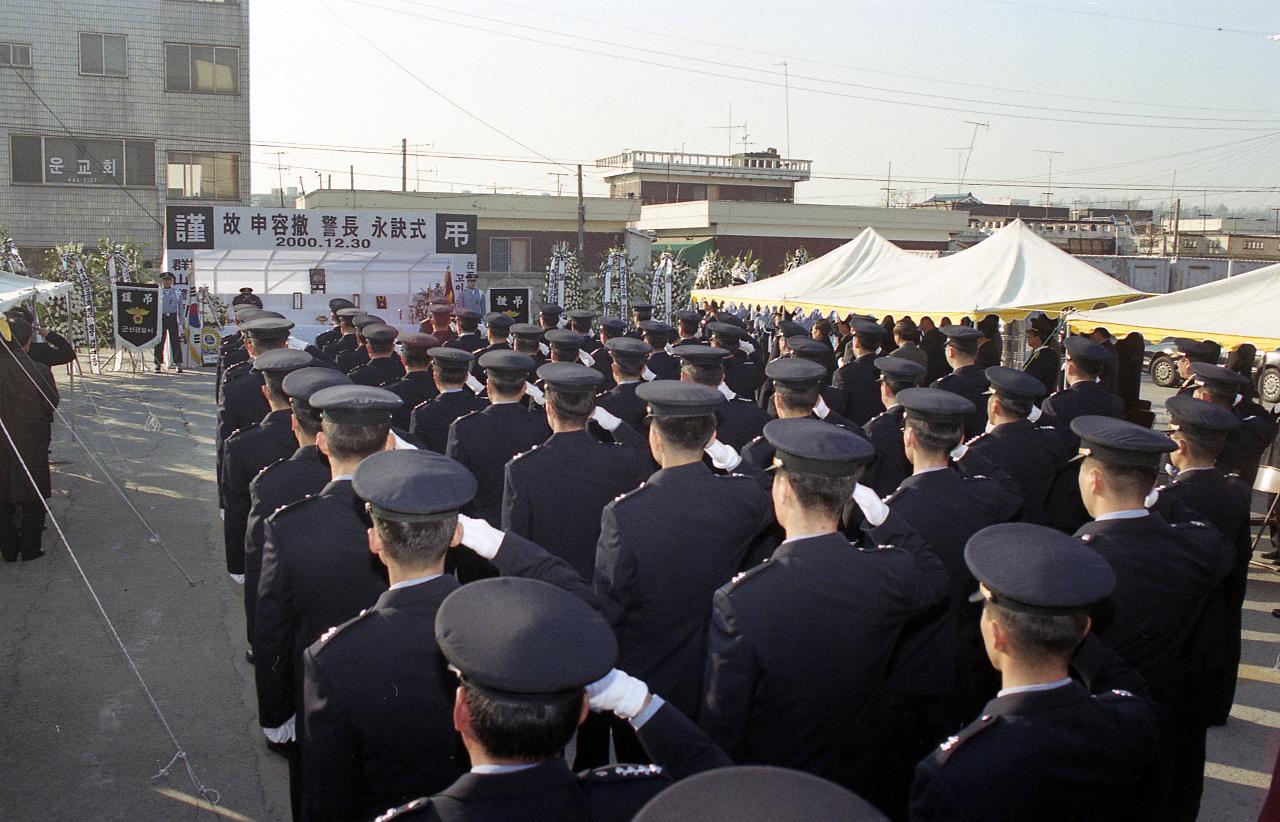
(1012, 273)
(1245, 308)
(15, 288)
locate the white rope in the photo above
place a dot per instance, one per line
(208, 794)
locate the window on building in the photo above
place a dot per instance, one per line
(201, 69)
(508, 254)
(1191, 244)
(17, 55)
(77, 161)
(1254, 245)
(203, 175)
(103, 55)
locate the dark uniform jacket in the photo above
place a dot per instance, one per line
(352, 359)
(429, 422)
(379, 697)
(484, 441)
(553, 493)
(317, 572)
(1082, 398)
(1243, 452)
(664, 365)
(475, 366)
(345, 343)
(241, 404)
(859, 380)
(470, 341)
(325, 338)
(1031, 454)
(55, 350)
(27, 399)
(743, 376)
(969, 382)
(934, 344)
(603, 362)
(1060, 754)
(1044, 365)
(622, 402)
(739, 421)
(890, 466)
(798, 646)
(378, 371)
(656, 590)
(248, 451)
(279, 484)
(414, 388)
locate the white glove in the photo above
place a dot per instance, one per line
(873, 508)
(727, 391)
(747, 347)
(546, 351)
(480, 536)
(535, 392)
(586, 359)
(647, 375)
(821, 409)
(1153, 496)
(285, 733)
(606, 420)
(238, 579)
(474, 384)
(619, 692)
(669, 348)
(1035, 414)
(723, 456)
(222, 514)
(403, 444)
(958, 452)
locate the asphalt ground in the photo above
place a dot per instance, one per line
(80, 738)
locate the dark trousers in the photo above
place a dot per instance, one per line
(21, 529)
(169, 328)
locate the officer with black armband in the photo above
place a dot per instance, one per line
(738, 420)
(532, 661)
(1049, 745)
(890, 467)
(378, 700)
(451, 373)
(966, 378)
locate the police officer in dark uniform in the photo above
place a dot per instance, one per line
(890, 466)
(610, 328)
(640, 312)
(1084, 395)
(1188, 352)
(564, 345)
(384, 364)
(358, 356)
(796, 395)
(549, 316)
(799, 646)
(658, 336)
(1155, 613)
(379, 698)
(738, 420)
(657, 594)
(468, 338)
(858, 378)
(288, 480)
(688, 327)
(743, 376)
(485, 440)
(532, 659)
(347, 340)
(325, 338)
(1032, 454)
(580, 320)
(254, 447)
(247, 297)
(807, 348)
(1047, 746)
(527, 339)
(237, 353)
(418, 384)
(316, 568)
(498, 333)
(429, 422)
(757, 793)
(628, 356)
(1043, 362)
(242, 403)
(1242, 452)
(966, 378)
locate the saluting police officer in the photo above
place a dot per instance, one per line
(324, 338)
(610, 328)
(796, 395)
(661, 363)
(1186, 353)
(966, 378)
(1047, 746)
(858, 377)
(1242, 452)
(384, 364)
(807, 348)
(1084, 395)
(738, 420)
(580, 320)
(688, 327)
(378, 699)
(418, 385)
(527, 339)
(429, 421)
(628, 356)
(890, 466)
(498, 333)
(640, 312)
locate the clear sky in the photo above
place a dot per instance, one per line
(1127, 92)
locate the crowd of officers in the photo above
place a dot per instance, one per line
(938, 587)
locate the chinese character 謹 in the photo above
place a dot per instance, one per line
(230, 223)
(126, 296)
(190, 228)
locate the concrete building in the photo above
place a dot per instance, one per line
(654, 177)
(113, 109)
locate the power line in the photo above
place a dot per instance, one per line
(1133, 19)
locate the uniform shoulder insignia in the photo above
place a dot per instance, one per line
(1086, 537)
(742, 576)
(292, 505)
(1191, 523)
(468, 415)
(525, 453)
(975, 439)
(251, 426)
(1233, 476)
(267, 468)
(952, 743)
(626, 495)
(619, 773)
(327, 635)
(1117, 692)
(392, 813)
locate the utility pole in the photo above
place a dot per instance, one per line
(1048, 195)
(560, 175)
(969, 155)
(280, 175)
(1277, 213)
(582, 218)
(352, 171)
(1177, 218)
(888, 181)
(959, 150)
(786, 91)
(404, 164)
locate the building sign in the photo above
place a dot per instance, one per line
(82, 161)
(514, 302)
(237, 228)
(137, 315)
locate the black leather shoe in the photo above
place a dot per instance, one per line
(1271, 555)
(36, 555)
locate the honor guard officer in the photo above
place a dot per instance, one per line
(384, 365)
(640, 312)
(554, 492)
(858, 378)
(1200, 490)
(1154, 615)
(661, 363)
(418, 383)
(743, 376)
(1242, 452)
(549, 316)
(485, 440)
(628, 356)
(429, 422)
(247, 297)
(795, 396)
(527, 339)
(472, 297)
(288, 480)
(580, 320)
(807, 348)
(1045, 747)
(254, 447)
(1032, 454)
(379, 698)
(800, 645)
(358, 356)
(316, 568)
(966, 378)
(739, 420)
(1084, 395)
(755, 793)
(242, 402)
(468, 338)
(1043, 363)
(498, 333)
(890, 466)
(531, 660)
(324, 338)
(1188, 352)
(688, 327)
(347, 333)
(657, 593)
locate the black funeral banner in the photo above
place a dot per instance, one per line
(137, 315)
